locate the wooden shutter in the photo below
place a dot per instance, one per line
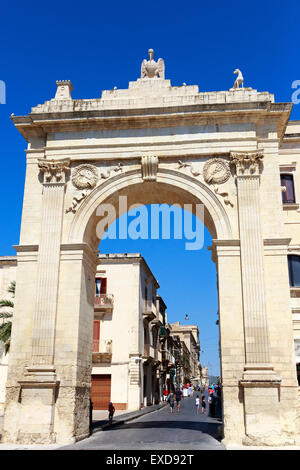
(96, 336)
(100, 391)
(103, 287)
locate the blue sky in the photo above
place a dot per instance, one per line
(99, 45)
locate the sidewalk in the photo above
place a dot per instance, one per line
(100, 423)
(119, 418)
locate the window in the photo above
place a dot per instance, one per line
(154, 338)
(294, 270)
(288, 196)
(100, 286)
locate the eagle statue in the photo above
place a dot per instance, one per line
(151, 69)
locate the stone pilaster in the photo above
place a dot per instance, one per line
(39, 385)
(43, 335)
(252, 257)
(259, 382)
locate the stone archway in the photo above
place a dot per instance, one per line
(220, 154)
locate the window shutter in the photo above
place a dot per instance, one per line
(96, 336)
(103, 289)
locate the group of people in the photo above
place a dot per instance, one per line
(174, 396)
(214, 392)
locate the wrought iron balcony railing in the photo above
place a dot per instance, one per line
(104, 302)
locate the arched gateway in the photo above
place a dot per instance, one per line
(153, 143)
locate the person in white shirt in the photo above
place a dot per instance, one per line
(197, 404)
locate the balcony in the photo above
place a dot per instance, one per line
(104, 302)
(149, 352)
(102, 351)
(168, 358)
(149, 310)
(157, 322)
(157, 355)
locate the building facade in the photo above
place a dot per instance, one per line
(189, 338)
(289, 167)
(157, 143)
(8, 268)
(127, 324)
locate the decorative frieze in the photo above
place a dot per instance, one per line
(107, 172)
(215, 171)
(86, 177)
(189, 165)
(77, 199)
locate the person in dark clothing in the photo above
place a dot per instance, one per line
(178, 395)
(203, 404)
(212, 405)
(91, 415)
(111, 411)
(171, 399)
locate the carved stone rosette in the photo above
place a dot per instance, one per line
(54, 171)
(85, 176)
(149, 167)
(216, 171)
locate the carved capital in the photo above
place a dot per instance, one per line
(247, 163)
(149, 167)
(54, 171)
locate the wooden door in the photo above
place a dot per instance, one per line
(96, 336)
(100, 391)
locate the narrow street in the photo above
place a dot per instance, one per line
(159, 430)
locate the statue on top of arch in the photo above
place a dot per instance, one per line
(152, 69)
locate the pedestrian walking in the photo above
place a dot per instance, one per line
(178, 395)
(203, 404)
(212, 405)
(171, 401)
(197, 404)
(91, 415)
(165, 393)
(111, 411)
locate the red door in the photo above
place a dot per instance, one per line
(100, 391)
(96, 335)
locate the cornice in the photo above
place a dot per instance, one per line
(39, 124)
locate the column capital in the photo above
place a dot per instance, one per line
(54, 171)
(247, 163)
